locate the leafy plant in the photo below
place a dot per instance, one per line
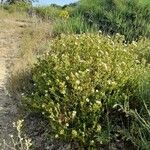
(80, 82)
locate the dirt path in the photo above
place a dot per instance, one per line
(9, 46)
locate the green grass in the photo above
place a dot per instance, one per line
(48, 12)
(129, 18)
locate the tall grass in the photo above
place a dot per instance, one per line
(143, 124)
(75, 25)
(129, 18)
(47, 12)
(34, 40)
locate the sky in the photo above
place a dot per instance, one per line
(59, 2)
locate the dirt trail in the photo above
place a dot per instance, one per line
(9, 47)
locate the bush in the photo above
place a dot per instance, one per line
(80, 82)
(129, 18)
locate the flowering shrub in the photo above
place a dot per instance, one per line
(79, 79)
(64, 14)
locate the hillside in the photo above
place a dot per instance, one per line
(75, 77)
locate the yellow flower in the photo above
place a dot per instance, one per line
(64, 14)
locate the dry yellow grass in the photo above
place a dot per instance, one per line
(35, 38)
(32, 37)
(14, 15)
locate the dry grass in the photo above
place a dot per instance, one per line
(33, 38)
(15, 15)
(19, 141)
(34, 42)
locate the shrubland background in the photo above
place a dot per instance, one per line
(87, 72)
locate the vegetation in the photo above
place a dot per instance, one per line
(48, 13)
(18, 1)
(102, 76)
(17, 7)
(92, 79)
(21, 141)
(129, 18)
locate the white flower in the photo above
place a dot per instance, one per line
(56, 136)
(123, 63)
(44, 74)
(87, 100)
(106, 54)
(137, 61)
(67, 78)
(134, 43)
(98, 102)
(79, 88)
(87, 70)
(114, 83)
(99, 128)
(59, 121)
(109, 82)
(77, 82)
(124, 50)
(67, 124)
(117, 34)
(74, 114)
(11, 135)
(112, 43)
(76, 74)
(100, 32)
(108, 36)
(92, 142)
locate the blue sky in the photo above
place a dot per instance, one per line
(60, 2)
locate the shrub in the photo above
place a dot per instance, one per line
(81, 80)
(129, 18)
